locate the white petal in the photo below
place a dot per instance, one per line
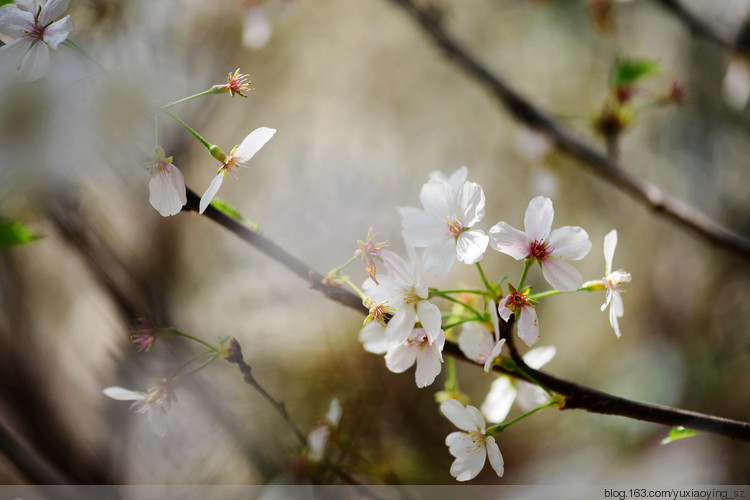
(252, 144)
(167, 191)
(438, 198)
(57, 32)
(459, 444)
(468, 466)
(400, 326)
(475, 342)
(530, 396)
(121, 394)
(476, 417)
(52, 10)
(157, 420)
(35, 63)
(458, 415)
(213, 188)
(509, 240)
(499, 400)
(495, 319)
(316, 443)
(373, 338)
(401, 357)
(569, 242)
(471, 245)
(494, 354)
(613, 321)
(12, 54)
(538, 218)
(439, 257)
(528, 326)
(13, 21)
(429, 364)
(496, 459)
(471, 203)
(610, 243)
(537, 358)
(736, 84)
(431, 319)
(561, 275)
(420, 228)
(458, 178)
(256, 28)
(334, 412)
(504, 311)
(398, 267)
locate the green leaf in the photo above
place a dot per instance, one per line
(5, 2)
(679, 432)
(232, 212)
(628, 71)
(13, 233)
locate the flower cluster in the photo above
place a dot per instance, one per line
(409, 328)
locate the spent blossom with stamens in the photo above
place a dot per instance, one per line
(238, 158)
(143, 334)
(444, 227)
(153, 402)
(473, 446)
(369, 249)
(478, 344)
(236, 85)
(380, 312)
(612, 281)
(549, 249)
(504, 390)
(32, 24)
(405, 290)
(167, 185)
(519, 304)
(427, 354)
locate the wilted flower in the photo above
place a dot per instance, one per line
(30, 22)
(152, 402)
(550, 249)
(236, 85)
(471, 447)
(239, 158)
(369, 249)
(143, 334)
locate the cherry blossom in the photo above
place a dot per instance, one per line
(471, 447)
(152, 403)
(418, 348)
(550, 249)
(167, 185)
(505, 390)
(518, 303)
(32, 24)
(613, 280)
(443, 228)
(478, 344)
(239, 158)
(405, 290)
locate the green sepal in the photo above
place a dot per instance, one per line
(627, 72)
(13, 233)
(679, 432)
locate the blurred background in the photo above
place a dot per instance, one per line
(365, 107)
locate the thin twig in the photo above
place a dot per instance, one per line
(609, 169)
(577, 396)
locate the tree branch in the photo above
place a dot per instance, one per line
(577, 396)
(609, 169)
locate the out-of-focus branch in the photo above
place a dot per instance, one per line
(597, 162)
(577, 396)
(704, 29)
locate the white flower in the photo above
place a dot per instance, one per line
(443, 228)
(151, 402)
(405, 290)
(505, 390)
(478, 344)
(472, 447)
(613, 280)
(167, 186)
(374, 338)
(317, 439)
(30, 22)
(528, 325)
(239, 158)
(550, 249)
(427, 354)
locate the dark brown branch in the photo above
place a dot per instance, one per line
(702, 28)
(577, 396)
(610, 170)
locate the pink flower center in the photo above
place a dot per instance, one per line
(516, 301)
(538, 250)
(454, 227)
(35, 32)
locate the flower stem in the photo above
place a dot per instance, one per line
(539, 295)
(189, 98)
(202, 366)
(438, 293)
(451, 375)
(459, 322)
(156, 129)
(353, 287)
(526, 267)
(187, 362)
(484, 278)
(335, 271)
(497, 429)
(477, 292)
(76, 48)
(177, 332)
(187, 127)
(514, 367)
